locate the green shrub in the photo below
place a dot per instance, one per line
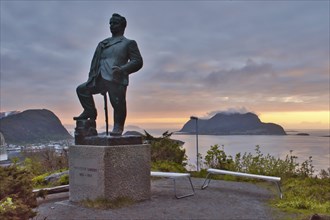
(266, 164)
(258, 163)
(16, 197)
(217, 158)
(168, 166)
(166, 149)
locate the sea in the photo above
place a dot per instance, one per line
(315, 145)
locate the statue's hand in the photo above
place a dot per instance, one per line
(117, 72)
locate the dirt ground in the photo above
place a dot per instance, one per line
(221, 200)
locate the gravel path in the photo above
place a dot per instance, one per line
(221, 200)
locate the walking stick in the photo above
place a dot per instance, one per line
(106, 113)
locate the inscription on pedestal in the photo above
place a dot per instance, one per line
(85, 172)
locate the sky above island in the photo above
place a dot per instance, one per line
(200, 57)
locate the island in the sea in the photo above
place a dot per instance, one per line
(232, 124)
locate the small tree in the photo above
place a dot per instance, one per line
(217, 158)
(166, 150)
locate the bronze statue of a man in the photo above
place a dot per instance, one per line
(114, 59)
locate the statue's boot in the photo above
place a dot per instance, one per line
(117, 130)
(88, 104)
(86, 115)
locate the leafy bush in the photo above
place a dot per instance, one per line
(16, 196)
(168, 166)
(217, 158)
(259, 163)
(166, 149)
(325, 174)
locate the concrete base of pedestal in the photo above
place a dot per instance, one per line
(109, 172)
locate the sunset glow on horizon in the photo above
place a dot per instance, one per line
(298, 120)
(288, 120)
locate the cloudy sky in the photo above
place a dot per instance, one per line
(200, 57)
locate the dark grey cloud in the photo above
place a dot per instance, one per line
(197, 55)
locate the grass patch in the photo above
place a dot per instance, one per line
(104, 203)
(305, 196)
(40, 180)
(63, 180)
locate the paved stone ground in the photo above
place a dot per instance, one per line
(221, 200)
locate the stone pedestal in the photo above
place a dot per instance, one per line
(104, 140)
(109, 172)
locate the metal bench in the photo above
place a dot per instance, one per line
(53, 190)
(273, 179)
(174, 176)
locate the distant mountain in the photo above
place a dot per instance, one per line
(32, 126)
(233, 124)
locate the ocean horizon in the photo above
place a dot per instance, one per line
(316, 145)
